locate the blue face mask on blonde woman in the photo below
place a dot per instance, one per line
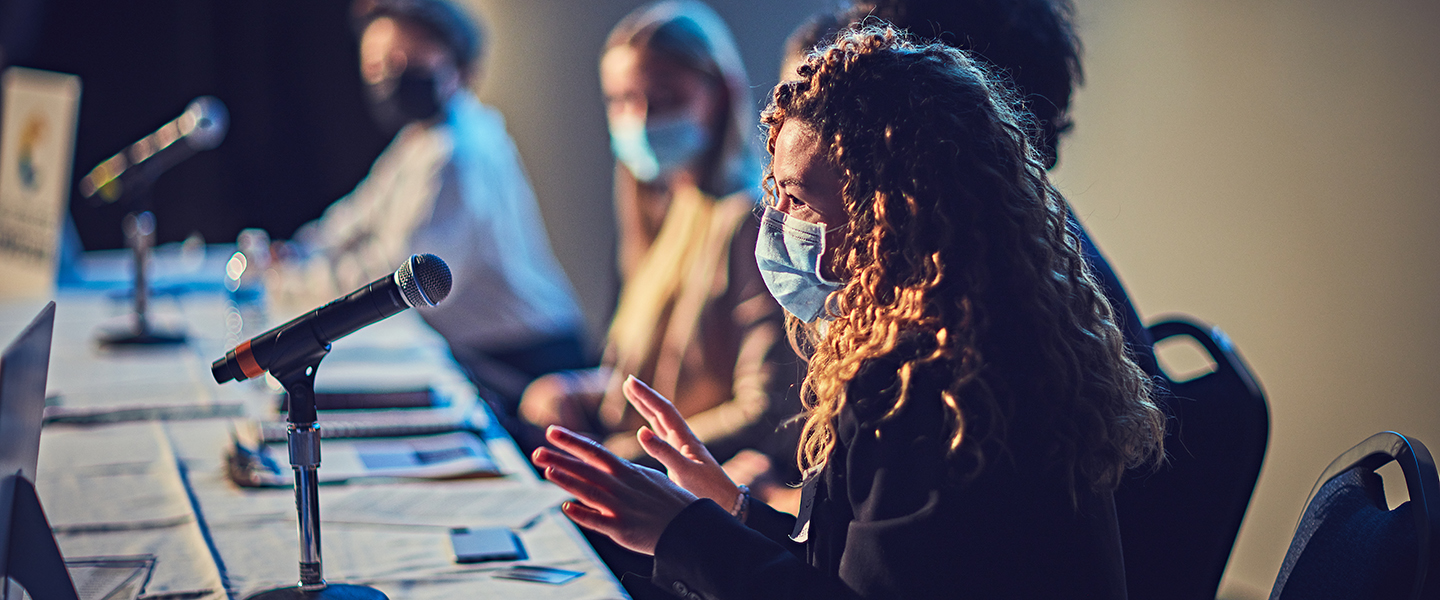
(659, 146)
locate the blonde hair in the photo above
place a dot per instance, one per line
(962, 269)
(690, 34)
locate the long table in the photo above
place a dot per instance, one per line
(142, 472)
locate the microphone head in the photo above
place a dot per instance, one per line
(424, 280)
(204, 123)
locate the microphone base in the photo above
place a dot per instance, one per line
(142, 338)
(131, 333)
(334, 591)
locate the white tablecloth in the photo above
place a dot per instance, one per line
(155, 484)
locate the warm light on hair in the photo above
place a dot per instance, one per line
(962, 270)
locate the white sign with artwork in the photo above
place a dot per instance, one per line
(36, 154)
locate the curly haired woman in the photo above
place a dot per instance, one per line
(970, 405)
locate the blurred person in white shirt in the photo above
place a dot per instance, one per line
(451, 184)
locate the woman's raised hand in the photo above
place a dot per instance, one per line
(627, 502)
(669, 440)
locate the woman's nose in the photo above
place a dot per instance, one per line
(782, 202)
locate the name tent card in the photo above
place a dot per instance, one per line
(37, 151)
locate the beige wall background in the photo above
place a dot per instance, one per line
(1269, 167)
(1265, 166)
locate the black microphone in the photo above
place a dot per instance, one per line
(424, 280)
(201, 127)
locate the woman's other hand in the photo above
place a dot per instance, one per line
(555, 400)
(629, 503)
(669, 440)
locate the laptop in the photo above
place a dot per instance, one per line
(23, 367)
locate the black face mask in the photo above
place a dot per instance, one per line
(413, 97)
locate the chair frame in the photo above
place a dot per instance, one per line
(1421, 481)
(1143, 501)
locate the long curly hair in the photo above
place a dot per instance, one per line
(961, 267)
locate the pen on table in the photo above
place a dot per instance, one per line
(178, 595)
(535, 520)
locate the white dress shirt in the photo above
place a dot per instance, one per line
(456, 190)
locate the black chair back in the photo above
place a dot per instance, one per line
(1178, 523)
(1349, 544)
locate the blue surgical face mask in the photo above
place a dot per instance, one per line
(788, 254)
(657, 147)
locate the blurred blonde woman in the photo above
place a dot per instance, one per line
(694, 317)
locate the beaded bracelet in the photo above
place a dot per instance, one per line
(742, 504)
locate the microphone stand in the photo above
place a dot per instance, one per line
(139, 228)
(298, 377)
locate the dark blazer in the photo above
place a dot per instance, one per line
(889, 520)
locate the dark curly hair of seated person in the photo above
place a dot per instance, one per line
(959, 266)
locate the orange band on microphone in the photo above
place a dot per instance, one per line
(248, 366)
